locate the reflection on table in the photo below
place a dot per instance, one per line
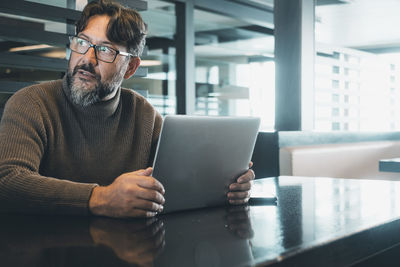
(317, 221)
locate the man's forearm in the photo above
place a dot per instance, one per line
(26, 192)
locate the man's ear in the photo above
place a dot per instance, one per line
(134, 63)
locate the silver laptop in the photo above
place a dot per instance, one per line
(198, 157)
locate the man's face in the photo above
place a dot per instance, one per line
(90, 80)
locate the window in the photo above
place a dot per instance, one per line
(235, 71)
(335, 84)
(368, 85)
(335, 112)
(336, 55)
(160, 82)
(335, 69)
(335, 126)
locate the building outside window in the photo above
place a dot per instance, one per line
(370, 87)
(363, 67)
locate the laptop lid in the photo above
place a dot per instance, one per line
(198, 157)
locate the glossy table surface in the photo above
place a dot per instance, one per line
(389, 165)
(317, 221)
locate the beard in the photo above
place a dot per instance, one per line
(84, 94)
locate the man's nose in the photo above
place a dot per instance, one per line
(90, 56)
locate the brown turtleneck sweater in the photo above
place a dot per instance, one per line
(53, 153)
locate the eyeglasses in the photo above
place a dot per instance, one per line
(102, 53)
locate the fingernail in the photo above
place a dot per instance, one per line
(161, 208)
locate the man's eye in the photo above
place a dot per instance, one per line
(81, 42)
(105, 49)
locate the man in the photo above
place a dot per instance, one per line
(82, 144)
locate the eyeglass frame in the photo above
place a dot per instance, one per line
(117, 52)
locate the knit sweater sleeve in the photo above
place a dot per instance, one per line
(22, 146)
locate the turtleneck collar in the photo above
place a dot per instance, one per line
(103, 109)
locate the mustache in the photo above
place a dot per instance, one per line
(86, 67)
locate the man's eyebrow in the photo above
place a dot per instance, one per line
(84, 36)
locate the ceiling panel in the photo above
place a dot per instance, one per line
(361, 24)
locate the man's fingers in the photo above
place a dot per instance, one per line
(239, 192)
(144, 208)
(142, 172)
(151, 183)
(250, 164)
(240, 187)
(248, 176)
(151, 195)
(147, 171)
(238, 195)
(148, 205)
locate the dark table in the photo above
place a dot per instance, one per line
(389, 165)
(317, 222)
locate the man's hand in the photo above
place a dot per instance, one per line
(132, 194)
(239, 192)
